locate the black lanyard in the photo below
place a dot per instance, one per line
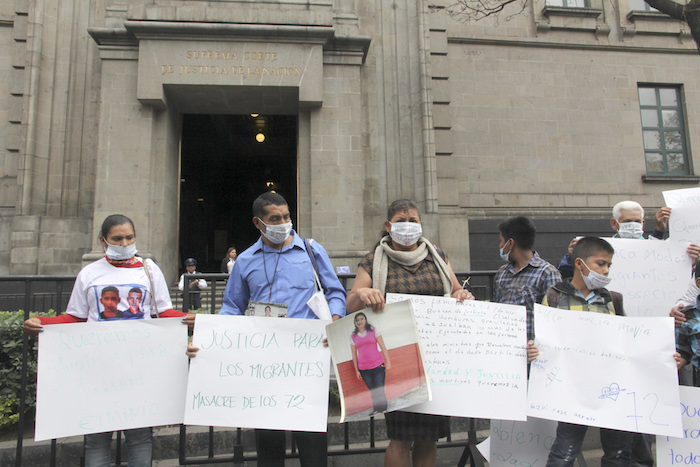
(270, 283)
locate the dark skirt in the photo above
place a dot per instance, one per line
(409, 426)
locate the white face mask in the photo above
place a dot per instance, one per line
(277, 233)
(631, 230)
(595, 280)
(120, 253)
(504, 256)
(406, 233)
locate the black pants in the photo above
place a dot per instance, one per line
(271, 447)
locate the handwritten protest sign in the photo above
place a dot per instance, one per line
(685, 450)
(519, 443)
(684, 224)
(474, 355)
(651, 275)
(603, 370)
(96, 377)
(258, 372)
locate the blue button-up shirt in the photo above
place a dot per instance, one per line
(282, 276)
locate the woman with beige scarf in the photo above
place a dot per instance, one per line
(406, 262)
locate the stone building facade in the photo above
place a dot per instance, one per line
(536, 112)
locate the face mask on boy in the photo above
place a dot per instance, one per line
(595, 280)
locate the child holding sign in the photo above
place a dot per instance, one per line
(591, 258)
(688, 334)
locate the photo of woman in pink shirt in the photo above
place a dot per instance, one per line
(371, 360)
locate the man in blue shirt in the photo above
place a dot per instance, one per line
(278, 269)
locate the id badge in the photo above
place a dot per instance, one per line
(268, 309)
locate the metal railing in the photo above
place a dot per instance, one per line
(51, 293)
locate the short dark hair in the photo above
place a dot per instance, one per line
(588, 246)
(136, 290)
(520, 229)
(109, 288)
(112, 220)
(266, 199)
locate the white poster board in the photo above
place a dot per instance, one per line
(650, 274)
(686, 450)
(519, 443)
(684, 224)
(603, 370)
(258, 372)
(474, 354)
(105, 376)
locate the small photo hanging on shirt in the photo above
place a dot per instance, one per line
(378, 361)
(269, 309)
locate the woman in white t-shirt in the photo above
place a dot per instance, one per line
(104, 291)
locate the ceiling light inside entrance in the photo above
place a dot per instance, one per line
(260, 137)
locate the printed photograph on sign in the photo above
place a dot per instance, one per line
(378, 361)
(268, 310)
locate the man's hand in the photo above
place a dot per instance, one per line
(572, 244)
(532, 351)
(662, 217)
(694, 252)
(678, 315)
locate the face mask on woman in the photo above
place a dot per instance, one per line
(406, 233)
(120, 253)
(595, 280)
(276, 233)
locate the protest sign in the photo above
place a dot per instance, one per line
(684, 224)
(105, 376)
(475, 356)
(650, 274)
(519, 443)
(604, 370)
(378, 360)
(686, 450)
(258, 372)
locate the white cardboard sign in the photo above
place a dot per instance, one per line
(259, 372)
(106, 376)
(684, 224)
(519, 443)
(603, 370)
(475, 355)
(650, 274)
(686, 450)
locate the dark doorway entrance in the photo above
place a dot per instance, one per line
(223, 169)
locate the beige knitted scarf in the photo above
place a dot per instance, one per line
(384, 251)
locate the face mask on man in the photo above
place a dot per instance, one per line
(276, 233)
(630, 230)
(120, 253)
(595, 280)
(406, 233)
(504, 256)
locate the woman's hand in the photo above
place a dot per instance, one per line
(532, 351)
(372, 298)
(359, 376)
(189, 320)
(192, 350)
(462, 295)
(387, 365)
(32, 326)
